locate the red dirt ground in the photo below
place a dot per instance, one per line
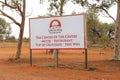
(71, 65)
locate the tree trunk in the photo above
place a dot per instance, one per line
(61, 7)
(19, 46)
(117, 34)
(55, 54)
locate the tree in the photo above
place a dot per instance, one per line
(5, 29)
(16, 7)
(104, 5)
(98, 32)
(55, 7)
(107, 35)
(117, 33)
(92, 25)
(101, 6)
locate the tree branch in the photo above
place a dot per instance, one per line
(5, 4)
(108, 14)
(61, 7)
(4, 14)
(19, 9)
(100, 7)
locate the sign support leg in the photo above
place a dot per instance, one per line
(86, 59)
(57, 58)
(30, 57)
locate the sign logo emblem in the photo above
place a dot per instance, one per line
(55, 24)
(55, 27)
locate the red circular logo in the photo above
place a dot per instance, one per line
(55, 23)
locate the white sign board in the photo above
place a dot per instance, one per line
(58, 32)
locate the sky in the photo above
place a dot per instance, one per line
(33, 9)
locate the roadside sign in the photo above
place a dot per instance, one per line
(65, 32)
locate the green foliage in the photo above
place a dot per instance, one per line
(99, 5)
(107, 31)
(92, 25)
(97, 32)
(5, 29)
(55, 6)
(95, 3)
(107, 35)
